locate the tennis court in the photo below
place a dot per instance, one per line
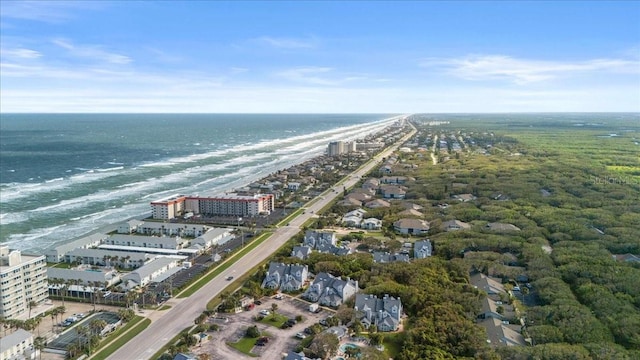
(71, 335)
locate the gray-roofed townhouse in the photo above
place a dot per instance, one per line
(150, 272)
(385, 313)
(84, 275)
(215, 236)
(287, 277)
(487, 284)
(318, 238)
(411, 226)
(301, 252)
(57, 253)
(422, 249)
(383, 258)
(500, 334)
(129, 227)
(330, 291)
(104, 257)
(159, 242)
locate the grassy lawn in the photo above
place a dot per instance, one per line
(244, 345)
(61, 265)
(275, 320)
(164, 307)
(133, 328)
(392, 345)
(291, 216)
(222, 267)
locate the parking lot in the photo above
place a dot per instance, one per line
(233, 326)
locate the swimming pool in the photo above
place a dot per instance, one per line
(346, 346)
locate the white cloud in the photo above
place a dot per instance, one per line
(309, 75)
(93, 52)
(523, 71)
(20, 53)
(287, 43)
(47, 11)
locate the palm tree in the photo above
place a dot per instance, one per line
(39, 343)
(31, 305)
(72, 350)
(97, 325)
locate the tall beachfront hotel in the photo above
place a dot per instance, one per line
(23, 278)
(224, 205)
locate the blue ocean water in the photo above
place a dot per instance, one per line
(65, 175)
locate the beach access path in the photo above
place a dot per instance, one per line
(168, 323)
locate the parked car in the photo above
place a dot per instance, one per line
(258, 302)
(278, 296)
(301, 336)
(264, 312)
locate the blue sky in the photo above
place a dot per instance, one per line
(319, 57)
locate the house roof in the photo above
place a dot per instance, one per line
(500, 334)
(487, 284)
(412, 224)
(14, 339)
(502, 227)
(411, 212)
(377, 203)
(455, 224)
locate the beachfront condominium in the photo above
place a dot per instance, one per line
(340, 147)
(23, 280)
(222, 205)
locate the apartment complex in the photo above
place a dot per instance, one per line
(23, 278)
(340, 147)
(224, 205)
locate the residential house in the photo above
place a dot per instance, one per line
(293, 186)
(453, 225)
(360, 196)
(502, 227)
(371, 224)
(393, 192)
(490, 309)
(301, 252)
(287, 277)
(318, 238)
(501, 334)
(411, 212)
(626, 257)
(377, 203)
(383, 258)
(422, 249)
(385, 313)
(394, 179)
(353, 218)
(411, 226)
(350, 202)
(491, 286)
(371, 184)
(330, 291)
(296, 356)
(464, 197)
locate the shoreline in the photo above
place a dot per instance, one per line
(232, 186)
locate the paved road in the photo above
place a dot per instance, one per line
(168, 323)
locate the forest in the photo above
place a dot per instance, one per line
(571, 188)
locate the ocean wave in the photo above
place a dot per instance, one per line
(16, 191)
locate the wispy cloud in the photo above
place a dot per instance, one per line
(93, 52)
(20, 53)
(309, 75)
(47, 11)
(523, 71)
(287, 43)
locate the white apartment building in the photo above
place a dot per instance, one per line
(223, 205)
(23, 278)
(17, 345)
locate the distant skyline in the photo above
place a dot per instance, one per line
(319, 57)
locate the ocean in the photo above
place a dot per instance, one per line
(66, 175)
